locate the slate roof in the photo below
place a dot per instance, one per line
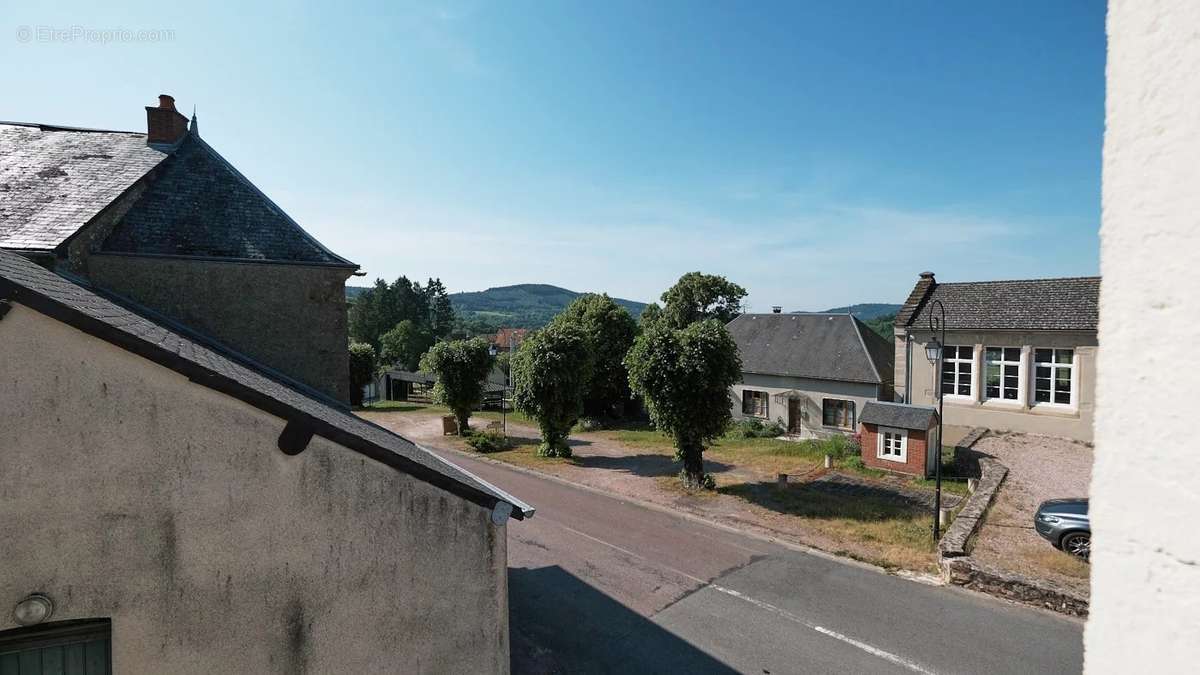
(207, 364)
(1071, 303)
(53, 180)
(199, 205)
(898, 415)
(820, 346)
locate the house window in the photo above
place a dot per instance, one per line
(957, 363)
(837, 413)
(754, 403)
(1052, 376)
(893, 444)
(1002, 372)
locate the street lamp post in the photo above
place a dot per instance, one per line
(933, 352)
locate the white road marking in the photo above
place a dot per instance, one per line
(766, 606)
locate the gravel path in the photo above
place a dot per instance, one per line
(1039, 468)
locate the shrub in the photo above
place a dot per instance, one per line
(855, 462)
(487, 441)
(755, 428)
(707, 482)
(589, 424)
(841, 447)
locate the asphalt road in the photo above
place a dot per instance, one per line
(598, 584)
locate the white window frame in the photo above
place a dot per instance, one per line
(1018, 388)
(766, 404)
(957, 363)
(1054, 367)
(899, 437)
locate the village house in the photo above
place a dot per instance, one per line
(811, 373)
(162, 219)
(1019, 355)
(173, 506)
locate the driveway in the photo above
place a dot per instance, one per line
(1039, 468)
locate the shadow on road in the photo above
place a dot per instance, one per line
(559, 624)
(649, 464)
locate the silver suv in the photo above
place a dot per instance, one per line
(1065, 523)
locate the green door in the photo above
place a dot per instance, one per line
(67, 648)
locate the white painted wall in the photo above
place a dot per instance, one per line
(1145, 614)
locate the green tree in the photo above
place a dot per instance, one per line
(441, 312)
(610, 331)
(378, 309)
(404, 345)
(684, 376)
(550, 373)
(650, 314)
(362, 369)
(460, 367)
(697, 297)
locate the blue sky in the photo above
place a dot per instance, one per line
(816, 153)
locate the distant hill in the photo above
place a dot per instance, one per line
(867, 310)
(523, 305)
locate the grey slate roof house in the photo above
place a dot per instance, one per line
(189, 506)
(162, 219)
(1020, 354)
(812, 373)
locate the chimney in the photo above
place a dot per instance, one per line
(776, 309)
(164, 124)
(927, 275)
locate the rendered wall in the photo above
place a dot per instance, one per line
(129, 492)
(811, 392)
(1145, 605)
(1005, 415)
(289, 317)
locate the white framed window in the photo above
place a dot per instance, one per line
(1002, 373)
(957, 364)
(892, 444)
(754, 403)
(1054, 377)
(837, 413)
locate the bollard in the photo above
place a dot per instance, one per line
(783, 479)
(828, 462)
(944, 518)
(972, 485)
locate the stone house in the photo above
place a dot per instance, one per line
(1019, 355)
(811, 373)
(897, 437)
(171, 505)
(162, 219)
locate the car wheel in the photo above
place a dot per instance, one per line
(1078, 544)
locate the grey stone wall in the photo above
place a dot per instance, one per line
(286, 316)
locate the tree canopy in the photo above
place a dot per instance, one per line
(404, 345)
(697, 297)
(550, 373)
(382, 307)
(362, 368)
(460, 367)
(684, 376)
(610, 331)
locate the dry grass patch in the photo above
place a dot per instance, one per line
(887, 533)
(1060, 563)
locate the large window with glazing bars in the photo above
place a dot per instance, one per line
(837, 413)
(957, 362)
(1002, 373)
(1052, 382)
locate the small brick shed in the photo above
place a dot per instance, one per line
(896, 436)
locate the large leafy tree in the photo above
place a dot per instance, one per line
(378, 309)
(684, 376)
(610, 331)
(362, 369)
(697, 297)
(404, 345)
(550, 373)
(460, 367)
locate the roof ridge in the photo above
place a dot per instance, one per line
(854, 321)
(60, 127)
(1014, 281)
